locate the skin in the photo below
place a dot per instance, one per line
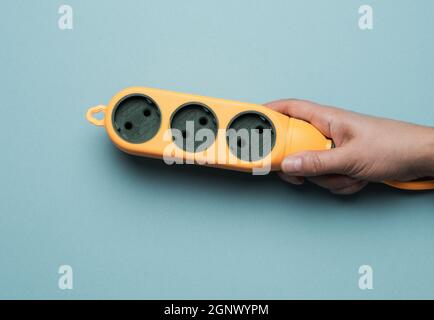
(368, 149)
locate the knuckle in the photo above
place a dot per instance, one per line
(341, 182)
(351, 189)
(314, 164)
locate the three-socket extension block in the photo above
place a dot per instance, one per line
(163, 124)
(158, 123)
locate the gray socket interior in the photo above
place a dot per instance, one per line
(240, 141)
(136, 118)
(187, 121)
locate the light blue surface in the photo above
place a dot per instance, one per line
(129, 227)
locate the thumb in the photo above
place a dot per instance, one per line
(315, 163)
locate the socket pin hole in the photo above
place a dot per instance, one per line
(184, 134)
(147, 112)
(260, 129)
(240, 142)
(203, 121)
(128, 125)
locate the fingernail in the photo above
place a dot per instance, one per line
(291, 165)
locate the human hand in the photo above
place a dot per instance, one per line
(367, 149)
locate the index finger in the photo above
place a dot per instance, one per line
(318, 115)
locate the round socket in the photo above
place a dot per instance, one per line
(251, 136)
(187, 125)
(136, 118)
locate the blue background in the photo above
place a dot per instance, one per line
(131, 228)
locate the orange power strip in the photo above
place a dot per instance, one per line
(209, 131)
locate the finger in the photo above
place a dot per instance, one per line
(351, 189)
(316, 163)
(291, 179)
(334, 182)
(318, 115)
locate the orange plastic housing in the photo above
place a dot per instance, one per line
(292, 135)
